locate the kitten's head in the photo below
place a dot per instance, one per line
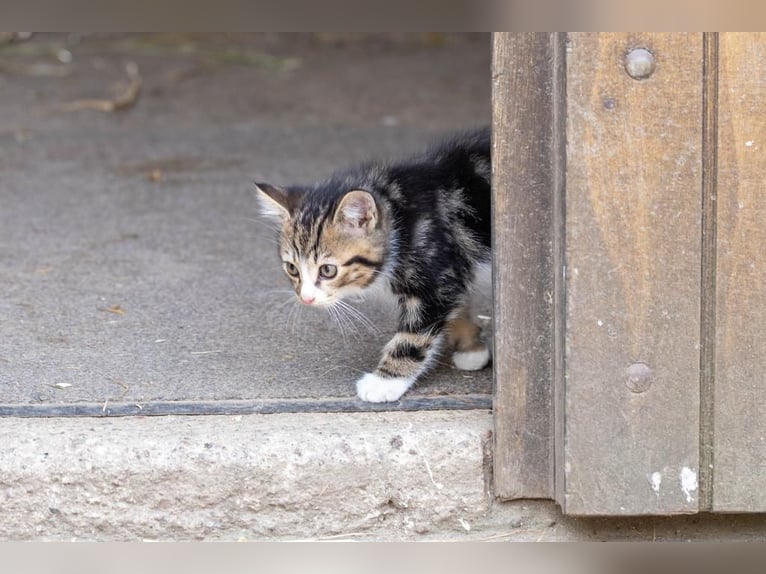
(331, 245)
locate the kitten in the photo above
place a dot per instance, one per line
(420, 227)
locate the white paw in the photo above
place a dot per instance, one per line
(471, 360)
(376, 389)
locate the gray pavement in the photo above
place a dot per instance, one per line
(133, 266)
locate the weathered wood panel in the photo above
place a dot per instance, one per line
(525, 164)
(708, 264)
(631, 420)
(739, 455)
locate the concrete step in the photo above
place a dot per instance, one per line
(392, 476)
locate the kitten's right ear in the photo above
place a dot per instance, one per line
(276, 202)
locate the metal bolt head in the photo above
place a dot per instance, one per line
(639, 63)
(609, 103)
(638, 377)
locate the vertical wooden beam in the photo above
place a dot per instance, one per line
(708, 272)
(633, 274)
(739, 475)
(526, 170)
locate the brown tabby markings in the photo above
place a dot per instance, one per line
(412, 310)
(406, 353)
(463, 334)
(420, 227)
(343, 248)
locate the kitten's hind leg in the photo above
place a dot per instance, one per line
(464, 336)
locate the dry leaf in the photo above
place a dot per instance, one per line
(116, 309)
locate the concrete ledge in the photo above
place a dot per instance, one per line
(391, 476)
(357, 476)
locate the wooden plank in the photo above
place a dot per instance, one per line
(708, 264)
(633, 276)
(525, 165)
(739, 455)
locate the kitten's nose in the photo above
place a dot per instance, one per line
(308, 299)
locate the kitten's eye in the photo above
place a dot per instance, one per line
(327, 271)
(291, 269)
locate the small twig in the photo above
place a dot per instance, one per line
(125, 388)
(60, 385)
(116, 310)
(438, 485)
(37, 69)
(124, 100)
(341, 536)
(320, 375)
(501, 535)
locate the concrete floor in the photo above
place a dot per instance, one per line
(133, 267)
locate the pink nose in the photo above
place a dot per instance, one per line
(307, 299)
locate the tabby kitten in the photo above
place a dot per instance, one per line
(419, 227)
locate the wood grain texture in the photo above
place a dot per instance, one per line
(633, 276)
(709, 247)
(524, 180)
(739, 475)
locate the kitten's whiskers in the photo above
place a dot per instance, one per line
(289, 300)
(355, 313)
(339, 320)
(293, 316)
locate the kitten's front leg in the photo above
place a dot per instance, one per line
(406, 356)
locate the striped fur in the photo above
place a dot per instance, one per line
(420, 226)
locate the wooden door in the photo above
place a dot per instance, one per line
(738, 392)
(630, 345)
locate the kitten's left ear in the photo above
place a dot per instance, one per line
(277, 202)
(357, 211)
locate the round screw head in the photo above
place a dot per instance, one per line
(639, 63)
(638, 377)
